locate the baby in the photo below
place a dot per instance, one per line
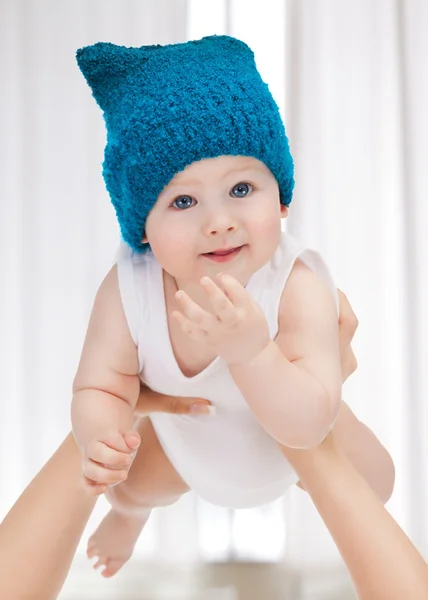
(213, 300)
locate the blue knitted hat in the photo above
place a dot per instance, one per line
(166, 107)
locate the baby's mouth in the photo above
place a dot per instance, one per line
(223, 254)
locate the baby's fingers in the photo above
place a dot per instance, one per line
(99, 474)
(116, 441)
(100, 453)
(91, 487)
(132, 439)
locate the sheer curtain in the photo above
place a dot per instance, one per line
(350, 79)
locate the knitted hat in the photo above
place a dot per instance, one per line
(166, 107)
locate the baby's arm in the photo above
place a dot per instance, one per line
(105, 390)
(294, 385)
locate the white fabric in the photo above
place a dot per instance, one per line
(229, 460)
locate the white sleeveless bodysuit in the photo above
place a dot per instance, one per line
(228, 459)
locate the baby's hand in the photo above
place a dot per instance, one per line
(237, 329)
(106, 462)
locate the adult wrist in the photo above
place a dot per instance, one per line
(311, 464)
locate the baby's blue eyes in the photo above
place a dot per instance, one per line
(240, 190)
(183, 202)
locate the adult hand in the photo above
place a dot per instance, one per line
(150, 402)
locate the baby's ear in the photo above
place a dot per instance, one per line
(284, 211)
(105, 67)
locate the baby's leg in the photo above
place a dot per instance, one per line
(152, 482)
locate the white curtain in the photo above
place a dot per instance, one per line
(350, 79)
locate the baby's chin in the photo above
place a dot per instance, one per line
(194, 280)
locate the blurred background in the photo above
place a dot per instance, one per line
(351, 82)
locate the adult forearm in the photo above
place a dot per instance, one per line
(382, 561)
(289, 403)
(40, 534)
(369, 457)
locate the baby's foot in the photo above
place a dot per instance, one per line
(114, 540)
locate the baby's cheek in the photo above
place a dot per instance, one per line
(171, 249)
(268, 228)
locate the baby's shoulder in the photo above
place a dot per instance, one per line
(111, 301)
(108, 324)
(300, 281)
(304, 292)
(108, 295)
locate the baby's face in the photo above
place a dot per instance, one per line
(217, 204)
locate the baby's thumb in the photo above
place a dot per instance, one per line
(132, 439)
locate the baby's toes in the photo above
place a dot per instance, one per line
(102, 561)
(112, 567)
(92, 550)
